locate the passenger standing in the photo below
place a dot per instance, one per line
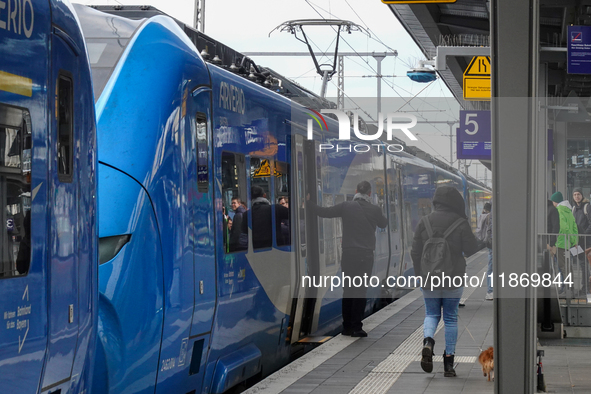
(449, 207)
(582, 215)
(238, 239)
(262, 219)
(360, 219)
(568, 231)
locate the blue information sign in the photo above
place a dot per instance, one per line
(579, 50)
(473, 135)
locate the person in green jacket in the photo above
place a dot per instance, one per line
(568, 226)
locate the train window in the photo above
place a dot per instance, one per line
(393, 200)
(408, 230)
(260, 202)
(282, 194)
(234, 202)
(300, 204)
(15, 191)
(327, 232)
(339, 198)
(65, 128)
(202, 152)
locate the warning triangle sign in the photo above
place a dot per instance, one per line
(478, 67)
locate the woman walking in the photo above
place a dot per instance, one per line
(443, 223)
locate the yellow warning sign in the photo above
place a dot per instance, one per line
(265, 170)
(477, 79)
(477, 89)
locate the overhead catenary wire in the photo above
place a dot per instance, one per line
(390, 85)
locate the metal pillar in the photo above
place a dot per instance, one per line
(379, 57)
(514, 35)
(199, 16)
(324, 83)
(341, 83)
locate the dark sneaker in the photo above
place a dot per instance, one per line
(359, 334)
(347, 332)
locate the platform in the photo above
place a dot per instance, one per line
(387, 361)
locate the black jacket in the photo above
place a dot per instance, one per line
(553, 223)
(238, 238)
(583, 221)
(262, 219)
(360, 219)
(449, 206)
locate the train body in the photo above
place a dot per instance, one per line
(48, 264)
(180, 309)
(175, 306)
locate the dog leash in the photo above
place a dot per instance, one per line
(471, 336)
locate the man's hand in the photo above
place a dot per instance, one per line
(552, 249)
(308, 197)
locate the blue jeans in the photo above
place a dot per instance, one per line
(489, 272)
(449, 300)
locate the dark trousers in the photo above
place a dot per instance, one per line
(355, 263)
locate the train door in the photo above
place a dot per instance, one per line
(63, 214)
(203, 245)
(315, 243)
(395, 226)
(298, 175)
(22, 255)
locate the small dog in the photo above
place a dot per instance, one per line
(486, 359)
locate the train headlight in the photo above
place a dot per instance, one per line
(110, 246)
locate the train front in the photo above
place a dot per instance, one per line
(157, 271)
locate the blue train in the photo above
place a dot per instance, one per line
(176, 307)
(48, 164)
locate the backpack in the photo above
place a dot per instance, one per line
(436, 257)
(585, 210)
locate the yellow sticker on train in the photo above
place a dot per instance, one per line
(16, 84)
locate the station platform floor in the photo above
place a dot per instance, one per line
(388, 360)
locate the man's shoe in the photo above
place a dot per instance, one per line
(489, 297)
(359, 334)
(427, 354)
(347, 332)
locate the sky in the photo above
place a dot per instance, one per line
(250, 26)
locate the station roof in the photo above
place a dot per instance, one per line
(467, 23)
(463, 23)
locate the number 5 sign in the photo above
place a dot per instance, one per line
(473, 135)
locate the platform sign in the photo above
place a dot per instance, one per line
(579, 50)
(477, 79)
(474, 136)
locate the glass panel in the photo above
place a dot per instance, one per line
(106, 37)
(327, 227)
(15, 191)
(202, 152)
(65, 129)
(262, 221)
(301, 202)
(234, 206)
(393, 199)
(282, 193)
